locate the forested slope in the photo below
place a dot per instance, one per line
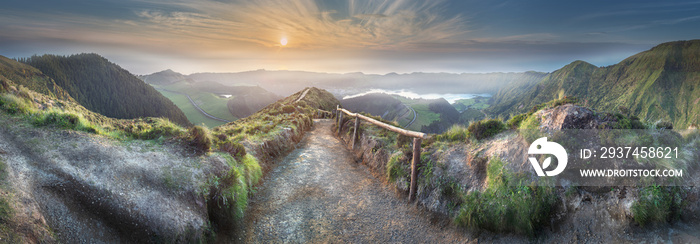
(106, 88)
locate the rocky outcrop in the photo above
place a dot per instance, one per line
(567, 116)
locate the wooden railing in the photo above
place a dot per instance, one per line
(417, 139)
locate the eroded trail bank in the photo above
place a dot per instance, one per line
(318, 193)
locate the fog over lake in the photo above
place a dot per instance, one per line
(451, 98)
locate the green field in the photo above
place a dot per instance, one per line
(193, 115)
(425, 115)
(209, 102)
(213, 104)
(473, 103)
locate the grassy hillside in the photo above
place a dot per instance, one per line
(661, 84)
(211, 167)
(472, 103)
(106, 88)
(30, 77)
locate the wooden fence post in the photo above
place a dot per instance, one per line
(355, 134)
(414, 169)
(340, 122)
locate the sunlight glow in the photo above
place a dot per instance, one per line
(283, 41)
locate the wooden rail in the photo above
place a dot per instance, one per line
(417, 138)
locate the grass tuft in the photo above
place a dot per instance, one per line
(228, 195)
(235, 149)
(657, 204)
(64, 120)
(514, 123)
(200, 138)
(15, 105)
(486, 128)
(507, 204)
(456, 133)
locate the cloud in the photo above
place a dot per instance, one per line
(241, 28)
(369, 24)
(655, 23)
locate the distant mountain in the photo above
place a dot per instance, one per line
(449, 116)
(106, 88)
(164, 77)
(31, 78)
(248, 100)
(662, 83)
(286, 82)
(432, 115)
(377, 104)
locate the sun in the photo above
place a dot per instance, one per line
(283, 41)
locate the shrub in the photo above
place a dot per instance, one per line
(486, 128)
(23, 92)
(565, 100)
(288, 109)
(235, 149)
(64, 120)
(397, 168)
(514, 123)
(657, 204)
(530, 128)
(160, 127)
(456, 133)
(507, 205)
(15, 105)
(228, 194)
(624, 122)
(4, 85)
(553, 103)
(664, 125)
(403, 141)
(228, 198)
(200, 138)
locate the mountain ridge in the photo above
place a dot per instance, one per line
(656, 85)
(101, 86)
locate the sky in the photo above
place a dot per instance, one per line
(370, 36)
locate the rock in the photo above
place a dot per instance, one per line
(567, 116)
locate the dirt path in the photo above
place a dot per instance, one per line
(318, 193)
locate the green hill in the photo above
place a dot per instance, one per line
(662, 83)
(165, 77)
(380, 104)
(432, 115)
(106, 88)
(225, 102)
(30, 77)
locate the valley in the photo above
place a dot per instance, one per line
(169, 173)
(324, 121)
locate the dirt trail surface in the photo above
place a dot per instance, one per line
(318, 193)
